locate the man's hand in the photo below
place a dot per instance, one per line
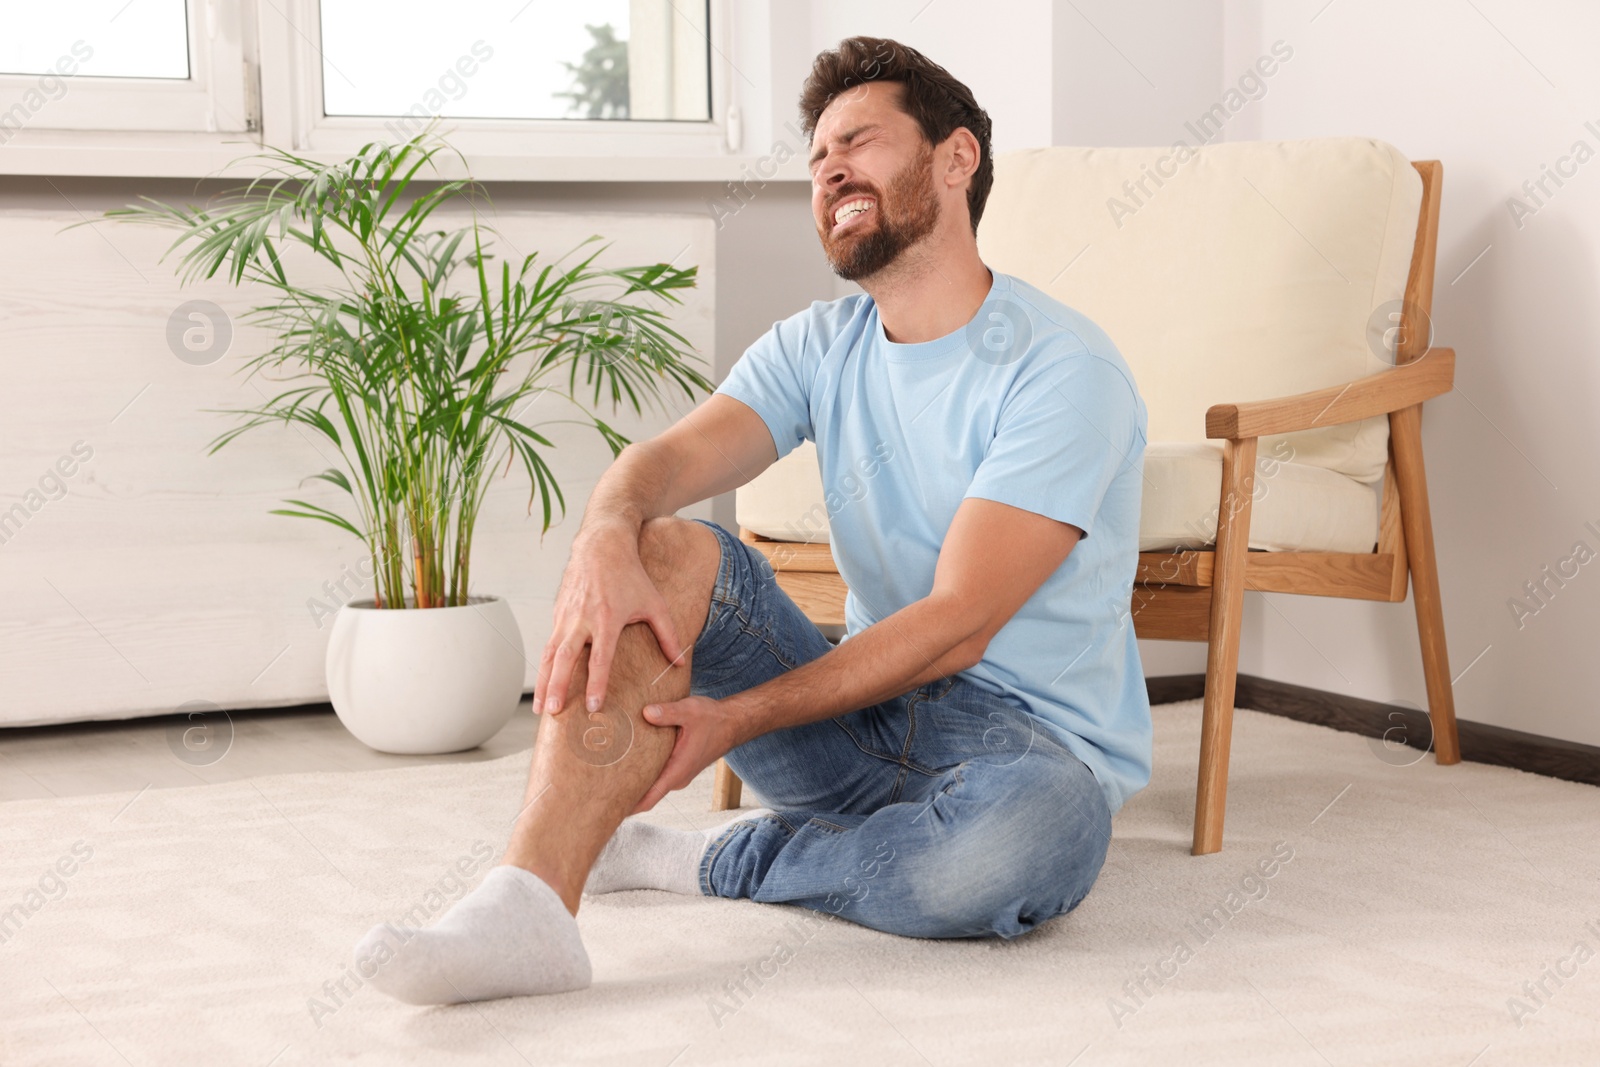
(706, 731)
(604, 589)
(713, 449)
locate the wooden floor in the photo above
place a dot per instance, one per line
(111, 757)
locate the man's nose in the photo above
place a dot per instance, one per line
(832, 172)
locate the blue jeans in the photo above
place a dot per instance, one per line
(947, 811)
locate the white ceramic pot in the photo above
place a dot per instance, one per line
(428, 681)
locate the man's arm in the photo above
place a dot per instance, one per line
(718, 446)
(993, 559)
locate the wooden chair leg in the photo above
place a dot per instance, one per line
(1222, 656)
(1405, 431)
(725, 787)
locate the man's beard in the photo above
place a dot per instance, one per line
(907, 212)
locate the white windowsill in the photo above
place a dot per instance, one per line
(144, 155)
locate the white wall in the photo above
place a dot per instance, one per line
(158, 576)
(1002, 53)
(1494, 90)
(1132, 74)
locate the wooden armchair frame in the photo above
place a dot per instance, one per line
(1193, 595)
(1198, 594)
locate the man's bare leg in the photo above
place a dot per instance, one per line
(590, 770)
(515, 934)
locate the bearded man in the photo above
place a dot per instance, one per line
(951, 767)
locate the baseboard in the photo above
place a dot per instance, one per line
(1480, 742)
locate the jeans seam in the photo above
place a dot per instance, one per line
(906, 762)
(904, 759)
(783, 820)
(764, 637)
(911, 730)
(721, 589)
(959, 770)
(854, 740)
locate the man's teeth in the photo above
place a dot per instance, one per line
(855, 207)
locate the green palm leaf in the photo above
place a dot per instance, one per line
(422, 354)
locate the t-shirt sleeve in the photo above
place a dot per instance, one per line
(1064, 434)
(774, 377)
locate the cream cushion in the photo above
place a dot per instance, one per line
(786, 501)
(1226, 273)
(1252, 273)
(1296, 507)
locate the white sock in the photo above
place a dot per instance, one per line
(511, 936)
(641, 855)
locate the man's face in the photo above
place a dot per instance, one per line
(872, 188)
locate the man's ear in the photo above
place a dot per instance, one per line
(964, 157)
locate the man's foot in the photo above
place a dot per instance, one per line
(643, 856)
(510, 937)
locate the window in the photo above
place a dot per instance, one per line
(157, 65)
(526, 89)
(604, 59)
(516, 77)
(150, 40)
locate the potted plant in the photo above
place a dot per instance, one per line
(416, 365)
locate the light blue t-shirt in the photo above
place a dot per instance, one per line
(1030, 405)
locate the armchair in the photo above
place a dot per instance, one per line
(1284, 291)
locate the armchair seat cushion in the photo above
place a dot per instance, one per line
(786, 501)
(1297, 508)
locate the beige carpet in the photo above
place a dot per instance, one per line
(211, 925)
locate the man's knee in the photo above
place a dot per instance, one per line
(681, 558)
(673, 546)
(1004, 896)
(1033, 853)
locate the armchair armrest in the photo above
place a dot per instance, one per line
(1377, 394)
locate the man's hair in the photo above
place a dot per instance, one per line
(931, 95)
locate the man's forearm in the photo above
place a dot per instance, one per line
(632, 490)
(714, 449)
(924, 641)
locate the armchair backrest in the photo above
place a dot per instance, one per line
(1229, 272)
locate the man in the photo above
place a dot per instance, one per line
(951, 768)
